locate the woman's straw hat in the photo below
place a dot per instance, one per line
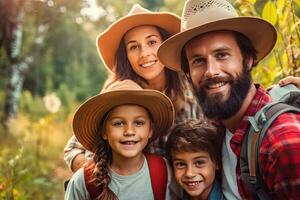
(109, 41)
(87, 119)
(203, 16)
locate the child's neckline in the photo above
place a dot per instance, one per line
(121, 176)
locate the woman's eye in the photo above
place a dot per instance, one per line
(133, 47)
(152, 42)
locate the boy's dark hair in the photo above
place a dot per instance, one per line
(196, 135)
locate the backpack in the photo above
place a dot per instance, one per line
(284, 99)
(158, 174)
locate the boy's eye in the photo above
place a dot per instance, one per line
(199, 163)
(179, 165)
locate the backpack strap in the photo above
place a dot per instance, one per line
(158, 174)
(249, 164)
(89, 179)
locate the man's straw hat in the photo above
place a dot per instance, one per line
(203, 16)
(109, 41)
(87, 119)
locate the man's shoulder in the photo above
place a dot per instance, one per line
(284, 131)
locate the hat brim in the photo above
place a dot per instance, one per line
(261, 33)
(109, 41)
(87, 119)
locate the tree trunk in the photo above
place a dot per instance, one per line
(14, 88)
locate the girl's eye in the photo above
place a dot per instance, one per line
(139, 122)
(118, 123)
(179, 165)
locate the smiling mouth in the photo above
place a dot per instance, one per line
(148, 64)
(192, 183)
(215, 85)
(129, 142)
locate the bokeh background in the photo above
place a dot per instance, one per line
(49, 64)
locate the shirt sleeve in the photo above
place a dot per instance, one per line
(76, 189)
(281, 157)
(72, 149)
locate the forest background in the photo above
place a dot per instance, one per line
(49, 64)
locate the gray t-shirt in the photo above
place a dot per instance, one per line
(229, 161)
(125, 187)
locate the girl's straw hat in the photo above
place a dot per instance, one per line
(109, 41)
(87, 119)
(203, 16)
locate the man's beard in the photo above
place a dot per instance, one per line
(214, 106)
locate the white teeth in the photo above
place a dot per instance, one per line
(215, 85)
(129, 142)
(193, 183)
(148, 64)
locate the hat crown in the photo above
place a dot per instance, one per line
(122, 85)
(199, 12)
(137, 9)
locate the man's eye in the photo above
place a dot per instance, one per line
(198, 61)
(222, 55)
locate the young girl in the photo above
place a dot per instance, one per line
(194, 148)
(116, 126)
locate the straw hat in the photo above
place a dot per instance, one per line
(202, 16)
(109, 41)
(87, 119)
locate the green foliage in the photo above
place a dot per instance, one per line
(284, 59)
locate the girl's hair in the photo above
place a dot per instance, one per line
(175, 86)
(196, 135)
(103, 160)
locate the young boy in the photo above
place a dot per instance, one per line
(194, 149)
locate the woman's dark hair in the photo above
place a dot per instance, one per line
(174, 84)
(196, 135)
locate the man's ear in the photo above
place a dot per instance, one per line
(249, 62)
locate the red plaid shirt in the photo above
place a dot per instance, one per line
(279, 153)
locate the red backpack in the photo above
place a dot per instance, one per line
(158, 174)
